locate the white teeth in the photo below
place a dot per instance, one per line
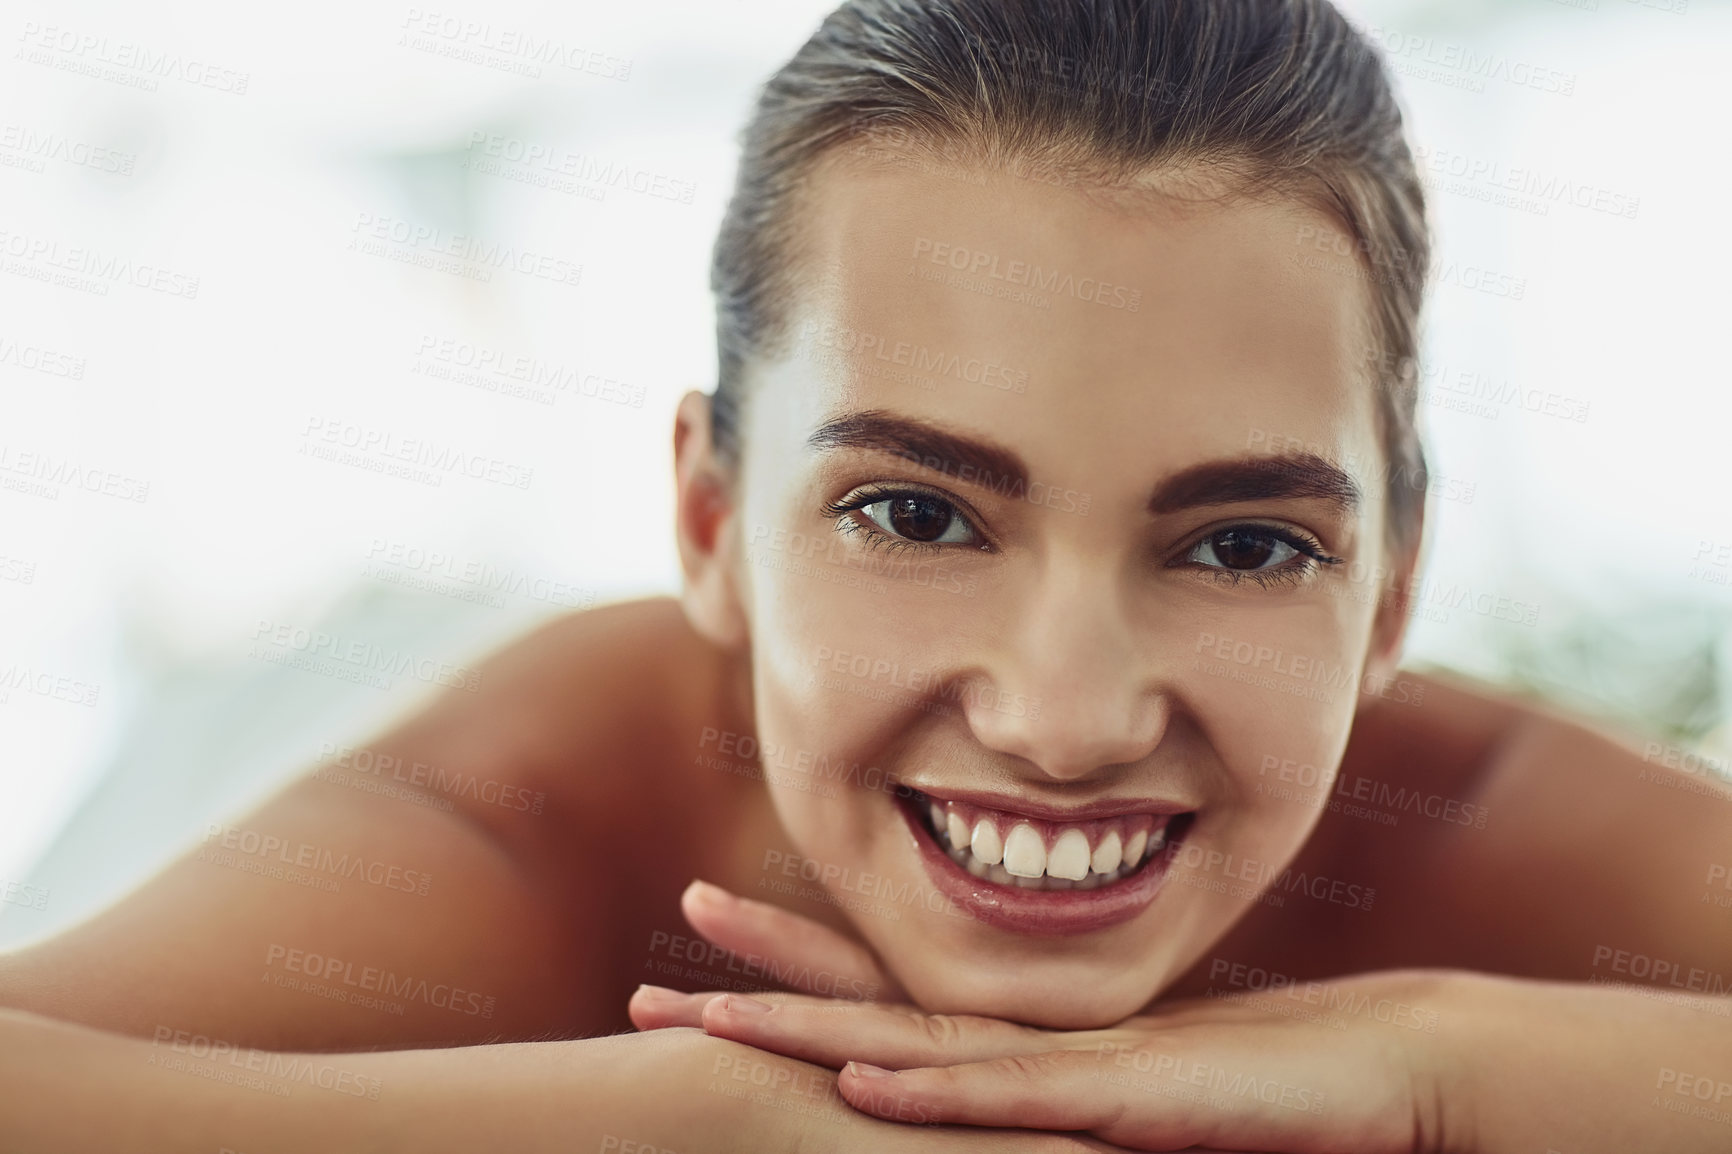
(1108, 854)
(1069, 857)
(1022, 858)
(1024, 852)
(957, 829)
(986, 845)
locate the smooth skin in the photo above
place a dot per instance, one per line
(616, 717)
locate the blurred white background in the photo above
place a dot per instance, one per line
(165, 524)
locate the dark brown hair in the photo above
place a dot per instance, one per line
(1281, 96)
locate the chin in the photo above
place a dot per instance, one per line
(1077, 999)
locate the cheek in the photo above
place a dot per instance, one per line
(828, 743)
(1278, 705)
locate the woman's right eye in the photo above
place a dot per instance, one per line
(922, 518)
(905, 518)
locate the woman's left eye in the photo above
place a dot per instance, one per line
(1248, 550)
(922, 518)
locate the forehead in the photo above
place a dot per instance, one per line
(1070, 323)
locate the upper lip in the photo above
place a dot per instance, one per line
(1029, 807)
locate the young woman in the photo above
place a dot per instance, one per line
(1031, 710)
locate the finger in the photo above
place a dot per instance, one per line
(794, 951)
(657, 1007)
(829, 1033)
(1172, 1093)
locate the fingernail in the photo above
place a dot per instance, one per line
(740, 1004)
(866, 1070)
(705, 892)
(658, 993)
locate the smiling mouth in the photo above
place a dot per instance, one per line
(1027, 853)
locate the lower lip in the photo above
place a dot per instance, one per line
(1041, 912)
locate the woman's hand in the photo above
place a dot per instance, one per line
(1416, 1061)
(980, 1071)
(1227, 1073)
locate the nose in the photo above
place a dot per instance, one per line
(1068, 686)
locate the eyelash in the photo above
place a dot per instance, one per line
(876, 538)
(1311, 555)
(1308, 548)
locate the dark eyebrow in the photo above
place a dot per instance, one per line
(992, 466)
(965, 458)
(1263, 478)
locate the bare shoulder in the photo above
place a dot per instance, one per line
(503, 842)
(1498, 832)
(582, 711)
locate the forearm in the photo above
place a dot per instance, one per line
(1607, 1069)
(71, 1088)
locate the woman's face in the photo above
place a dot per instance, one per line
(1058, 527)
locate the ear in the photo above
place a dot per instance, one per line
(705, 517)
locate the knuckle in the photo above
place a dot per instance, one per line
(1028, 1067)
(942, 1030)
